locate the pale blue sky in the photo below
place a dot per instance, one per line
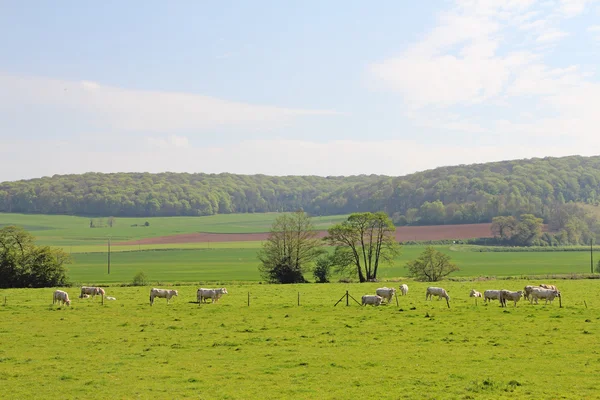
(294, 87)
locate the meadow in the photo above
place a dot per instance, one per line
(276, 349)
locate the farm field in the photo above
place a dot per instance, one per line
(71, 231)
(277, 349)
(241, 264)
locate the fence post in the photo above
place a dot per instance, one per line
(102, 298)
(4, 301)
(397, 304)
(347, 294)
(447, 302)
(248, 299)
(298, 298)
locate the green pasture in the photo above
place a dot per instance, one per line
(275, 349)
(70, 231)
(241, 264)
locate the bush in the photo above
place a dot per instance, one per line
(322, 271)
(140, 279)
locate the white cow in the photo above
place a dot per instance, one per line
(61, 297)
(371, 299)
(546, 286)
(214, 294)
(527, 291)
(90, 290)
(510, 296)
(436, 291)
(162, 293)
(541, 293)
(386, 293)
(475, 293)
(404, 289)
(490, 295)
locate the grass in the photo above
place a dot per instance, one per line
(71, 231)
(240, 264)
(276, 349)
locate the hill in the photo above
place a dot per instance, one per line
(447, 195)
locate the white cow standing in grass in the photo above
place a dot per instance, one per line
(475, 293)
(404, 289)
(162, 293)
(510, 296)
(214, 294)
(436, 291)
(386, 293)
(541, 293)
(61, 297)
(91, 290)
(490, 295)
(372, 299)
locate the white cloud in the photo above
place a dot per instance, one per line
(572, 8)
(168, 142)
(147, 111)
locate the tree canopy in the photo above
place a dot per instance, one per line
(447, 195)
(23, 264)
(431, 266)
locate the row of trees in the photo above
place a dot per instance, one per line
(461, 194)
(23, 264)
(362, 243)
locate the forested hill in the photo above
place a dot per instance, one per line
(460, 194)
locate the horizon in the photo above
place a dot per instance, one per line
(295, 89)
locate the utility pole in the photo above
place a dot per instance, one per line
(109, 255)
(591, 256)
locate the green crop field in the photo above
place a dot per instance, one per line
(71, 232)
(275, 349)
(241, 264)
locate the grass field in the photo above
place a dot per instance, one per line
(241, 264)
(275, 349)
(71, 232)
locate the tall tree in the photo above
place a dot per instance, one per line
(290, 250)
(528, 230)
(364, 240)
(431, 266)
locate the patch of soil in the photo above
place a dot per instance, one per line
(403, 233)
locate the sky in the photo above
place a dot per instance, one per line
(311, 87)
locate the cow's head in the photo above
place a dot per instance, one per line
(68, 302)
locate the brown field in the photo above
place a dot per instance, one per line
(403, 233)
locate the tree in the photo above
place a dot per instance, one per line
(290, 250)
(504, 227)
(364, 241)
(528, 230)
(323, 266)
(431, 266)
(23, 264)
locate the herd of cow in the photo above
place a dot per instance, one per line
(202, 294)
(531, 293)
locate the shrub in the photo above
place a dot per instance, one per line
(140, 279)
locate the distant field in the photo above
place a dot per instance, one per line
(240, 264)
(275, 349)
(67, 231)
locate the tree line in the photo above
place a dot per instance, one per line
(447, 195)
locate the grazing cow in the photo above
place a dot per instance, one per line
(510, 296)
(436, 291)
(110, 298)
(214, 294)
(386, 293)
(490, 295)
(162, 293)
(90, 290)
(371, 299)
(404, 289)
(546, 286)
(475, 293)
(541, 293)
(61, 297)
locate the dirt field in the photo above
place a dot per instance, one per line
(403, 233)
